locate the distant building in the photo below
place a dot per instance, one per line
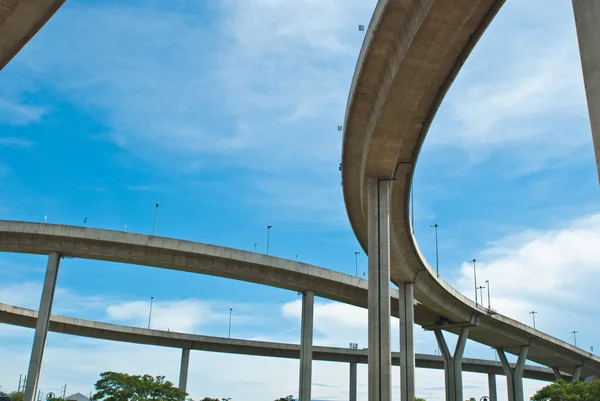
(78, 397)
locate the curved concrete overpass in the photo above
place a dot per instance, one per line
(20, 20)
(141, 249)
(411, 54)
(24, 317)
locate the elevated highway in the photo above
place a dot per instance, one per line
(411, 54)
(24, 317)
(141, 249)
(20, 20)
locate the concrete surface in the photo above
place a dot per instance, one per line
(380, 346)
(514, 374)
(587, 22)
(89, 243)
(353, 381)
(20, 20)
(453, 364)
(407, 343)
(183, 371)
(492, 391)
(42, 327)
(411, 54)
(306, 345)
(23, 317)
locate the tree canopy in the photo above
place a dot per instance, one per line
(114, 386)
(565, 391)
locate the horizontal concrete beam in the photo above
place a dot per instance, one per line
(173, 254)
(106, 331)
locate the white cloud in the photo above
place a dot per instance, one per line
(552, 272)
(16, 142)
(520, 93)
(16, 113)
(182, 316)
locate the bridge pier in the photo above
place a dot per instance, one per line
(41, 327)
(576, 374)
(587, 22)
(453, 363)
(353, 387)
(306, 344)
(407, 346)
(514, 376)
(380, 355)
(493, 393)
(183, 371)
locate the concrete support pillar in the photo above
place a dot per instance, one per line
(557, 374)
(493, 393)
(306, 344)
(576, 373)
(183, 371)
(380, 353)
(587, 21)
(41, 328)
(407, 345)
(453, 363)
(353, 387)
(514, 376)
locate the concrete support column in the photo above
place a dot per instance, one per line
(453, 363)
(587, 21)
(353, 387)
(576, 373)
(407, 345)
(557, 374)
(183, 371)
(41, 328)
(514, 376)
(493, 393)
(380, 353)
(306, 344)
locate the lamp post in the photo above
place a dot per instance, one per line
(475, 279)
(437, 264)
(481, 287)
(532, 313)
(487, 283)
(356, 261)
(268, 237)
(155, 217)
(575, 337)
(85, 222)
(230, 310)
(150, 314)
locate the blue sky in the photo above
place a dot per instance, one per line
(226, 113)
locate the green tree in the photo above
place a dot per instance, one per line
(210, 399)
(288, 398)
(565, 391)
(17, 396)
(419, 399)
(114, 386)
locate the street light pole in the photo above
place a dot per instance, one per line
(356, 260)
(155, 217)
(437, 264)
(532, 313)
(150, 314)
(481, 293)
(268, 237)
(575, 337)
(487, 283)
(475, 278)
(230, 310)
